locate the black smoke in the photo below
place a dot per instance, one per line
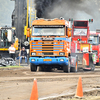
(42, 7)
(76, 9)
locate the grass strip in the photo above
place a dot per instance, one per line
(11, 66)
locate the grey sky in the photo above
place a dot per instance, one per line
(76, 9)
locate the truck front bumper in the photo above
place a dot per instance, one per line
(49, 61)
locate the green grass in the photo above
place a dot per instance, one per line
(11, 67)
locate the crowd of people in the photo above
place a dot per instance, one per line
(22, 54)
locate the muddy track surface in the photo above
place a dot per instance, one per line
(16, 84)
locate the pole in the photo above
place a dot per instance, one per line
(19, 52)
(27, 13)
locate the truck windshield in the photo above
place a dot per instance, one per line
(94, 40)
(48, 31)
(80, 31)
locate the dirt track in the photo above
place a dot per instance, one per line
(16, 83)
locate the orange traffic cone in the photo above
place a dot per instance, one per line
(34, 93)
(79, 91)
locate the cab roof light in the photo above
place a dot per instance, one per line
(79, 39)
(61, 18)
(90, 20)
(70, 19)
(37, 18)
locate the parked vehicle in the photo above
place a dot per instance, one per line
(80, 45)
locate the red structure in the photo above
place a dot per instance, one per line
(80, 45)
(80, 34)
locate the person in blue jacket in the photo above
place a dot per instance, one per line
(23, 55)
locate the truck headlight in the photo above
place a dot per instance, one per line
(32, 59)
(61, 53)
(61, 59)
(33, 53)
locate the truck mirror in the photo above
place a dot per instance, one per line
(69, 32)
(28, 32)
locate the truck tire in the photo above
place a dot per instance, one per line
(92, 67)
(67, 68)
(40, 68)
(33, 67)
(75, 69)
(99, 61)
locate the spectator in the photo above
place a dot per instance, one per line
(23, 55)
(12, 51)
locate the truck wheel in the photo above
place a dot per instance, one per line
(67, 68)
(75, 69)
(92, 67)
(40, 68)
(99, 61)
(33, 67)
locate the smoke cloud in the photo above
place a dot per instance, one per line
(76, 9)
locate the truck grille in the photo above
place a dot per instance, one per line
(47, 48)
(49, 53)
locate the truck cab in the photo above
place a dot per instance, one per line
(80, 45)
(94, 41)
(50, 44)
(7, 36)
(80, 33)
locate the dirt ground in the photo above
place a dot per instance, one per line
(16, 84)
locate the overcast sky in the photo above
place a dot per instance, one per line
(76, 9)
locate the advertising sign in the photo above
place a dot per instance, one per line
(82, 32)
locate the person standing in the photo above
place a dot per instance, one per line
(12, 51)
(23, 55)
